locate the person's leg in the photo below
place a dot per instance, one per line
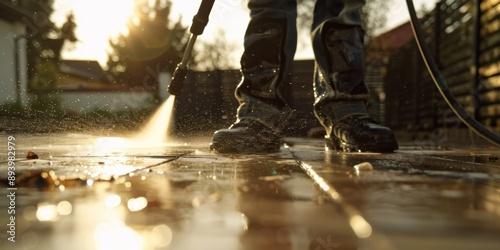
(270, 43)
(339, 87)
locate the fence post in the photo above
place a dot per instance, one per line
(437, 32)
(476, 12)
(437, 58)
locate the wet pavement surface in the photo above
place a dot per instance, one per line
(89, 192)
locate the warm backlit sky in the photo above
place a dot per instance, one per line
(97, 20)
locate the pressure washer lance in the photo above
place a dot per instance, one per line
(200, 20)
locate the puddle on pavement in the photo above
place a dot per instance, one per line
(451, 203)
(201, 201)
(81, 196)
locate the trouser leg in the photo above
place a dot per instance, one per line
(339, 87)
(337, 38)
(270, 43)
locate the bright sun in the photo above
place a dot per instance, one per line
(99, 20)
(103, 17)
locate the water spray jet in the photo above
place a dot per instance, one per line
(162, 118)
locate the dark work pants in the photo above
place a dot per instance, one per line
(270, 43)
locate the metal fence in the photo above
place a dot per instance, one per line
(464, 36)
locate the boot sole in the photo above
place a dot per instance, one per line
(387, 145)
(228, 145)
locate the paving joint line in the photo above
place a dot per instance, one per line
(359, 225)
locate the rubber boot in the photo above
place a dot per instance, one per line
(359, 133)
(341, 94)
(270, 42)
(246, 137)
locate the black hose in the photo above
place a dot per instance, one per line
(443, 86)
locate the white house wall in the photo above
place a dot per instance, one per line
(8, 33)
(80, 102)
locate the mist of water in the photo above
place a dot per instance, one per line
(154, 133)
(157, 130)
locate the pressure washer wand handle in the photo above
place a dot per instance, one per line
(180, 72)
(200, 20)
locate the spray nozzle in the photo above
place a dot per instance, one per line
(177, 83)
(200, 20)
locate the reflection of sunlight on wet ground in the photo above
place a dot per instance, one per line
(99, 223)
(127, 145)
(117, 144)
(110, 143)
(360, 226)
(137, 204)
(122, 144)
(47, 212)
(111, 231)
(117, 235)
(112, 201)
(206, 201)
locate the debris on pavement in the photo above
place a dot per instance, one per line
(364, 166)
(32, 155)
(162, 197)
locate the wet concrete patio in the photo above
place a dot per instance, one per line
(90, 192)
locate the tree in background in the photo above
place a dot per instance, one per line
(215, 54)
(45, 41)
(153, 44)
(373, 14)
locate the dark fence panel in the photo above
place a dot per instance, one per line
(489, 64)
(465, 40)
(298, 92)
(207, 102)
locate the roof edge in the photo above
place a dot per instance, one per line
(12, 13)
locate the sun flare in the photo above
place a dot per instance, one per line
(107, 18)
(97, 21)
